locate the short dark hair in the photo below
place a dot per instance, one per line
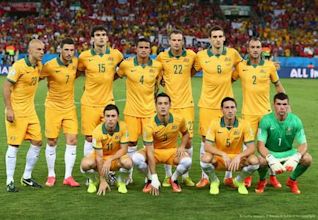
(281, 96)
(97, 28)
(143, 39)
(228, 99)
(162, 94)
(216, 28)
(111, 107)
(254, 38)
(175, 31)
(66, 41)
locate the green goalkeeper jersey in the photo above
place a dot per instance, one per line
(279, 136)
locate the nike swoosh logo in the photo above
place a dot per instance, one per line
(57, 71)
(207, 61)
(10, 157)
(245, 70)
(89, 60)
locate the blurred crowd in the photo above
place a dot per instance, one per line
(286, 27)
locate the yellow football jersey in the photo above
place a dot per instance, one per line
(140, 86)
(25, 78)
(164, 136)
(230, 140)
(255, 80)
(110, 143)
(60, 79)
(217, 75)
(99, 71)
(177, 77)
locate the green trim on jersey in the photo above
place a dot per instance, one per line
(183, 54)
(210, 53)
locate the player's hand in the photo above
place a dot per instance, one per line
(10, 115)
(181, 152)
(277, 65)
(155, 185)
(235, 163)
(292, 162)
(274, 164)
(227, 160)
(106, 167)
(103, 187)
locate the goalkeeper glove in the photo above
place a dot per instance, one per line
(274, 164)
(291, 163)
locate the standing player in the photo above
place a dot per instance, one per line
(60, 111)
(22, 122)
(161, 139)
(99, 65)
(177, 64)
(110, 140)
(217, 64)
(142, 75)
(256, 74)
(224, 148)
(277, 132)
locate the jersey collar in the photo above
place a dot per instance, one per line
(222, 123)
(28, 62)
(158, 122)
(143, 65)
(60, 62)
(210, 53)
(93, 52)
(261, 62)
(183, 54)
(104, 129)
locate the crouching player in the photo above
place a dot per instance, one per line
(110, 142)
(277, 132)
(224, 148)
(161, 139)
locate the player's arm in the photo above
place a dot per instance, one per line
(279, 87)
(103, 185)
(79, 73)
(272, 161)
(121, 152)
(235, 162)
(7, 88)
(155, 184)
(181, 149)
(193, 72)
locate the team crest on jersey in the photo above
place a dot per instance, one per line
(227, 59)
(117, 137)
(262, 71)
(174, 127)
(289, 131)
(151, 70)
(110, 59)
(186, 60)
(237, 132)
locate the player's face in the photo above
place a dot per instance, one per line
(68, 52)
(255, 49)
(36, 51)
(281, 107)
(111, 119)
(143, 49)
(100, 38)
(229, 110)
(176, 42)
(217, 39)
(163, 106)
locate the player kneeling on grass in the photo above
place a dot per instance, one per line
(224, 148)
(110, 142)
(161, 139)
(276, 135)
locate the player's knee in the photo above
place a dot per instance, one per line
(126, 163)
(262, 161)
(186, 162)
(52, 142)
(306, 159)
(87, 164)
(253, 160)
(206, 158)
(37, 143)
(189, 144)
(204, 165)
(71, 140)
(139, 160)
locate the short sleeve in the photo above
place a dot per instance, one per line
(14, 74)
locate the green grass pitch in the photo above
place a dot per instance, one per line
(61, 202)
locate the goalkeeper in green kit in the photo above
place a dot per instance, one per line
(276, 134)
